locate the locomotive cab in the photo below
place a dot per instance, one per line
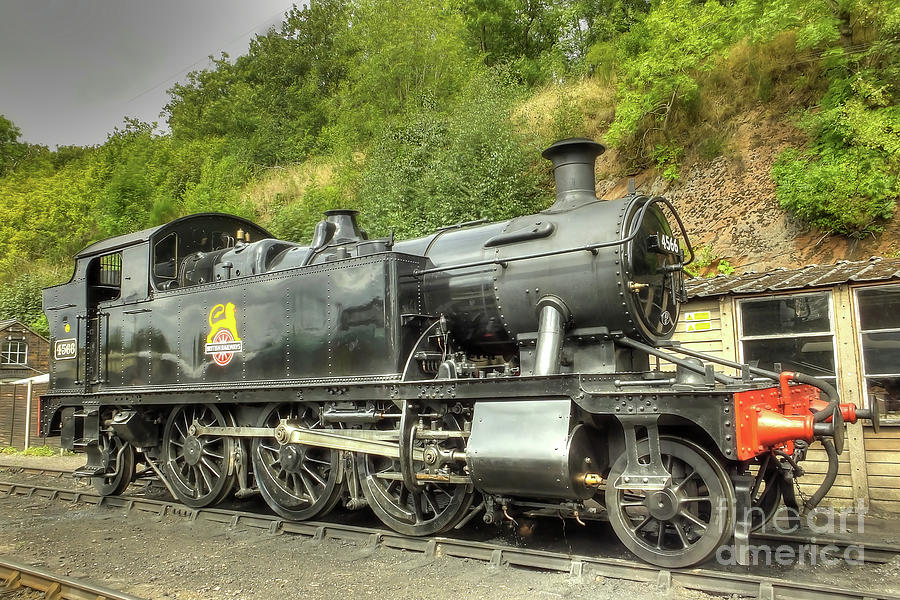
(118, 276)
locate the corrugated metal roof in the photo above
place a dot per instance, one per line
(810, 276)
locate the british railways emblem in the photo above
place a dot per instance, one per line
(223, 340)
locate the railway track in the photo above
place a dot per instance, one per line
(143, 484)
(17, 575)
(701, 579)
(874, 552)
(59, 473)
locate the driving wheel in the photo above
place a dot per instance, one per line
(200, 468)
(298, 482)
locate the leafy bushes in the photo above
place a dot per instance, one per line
(707, 263)
(841, 192)
(296, 221)
(848, 180)
(446, 166)
(21, 298)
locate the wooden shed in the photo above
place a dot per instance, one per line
(840, 322)
(15, 416)
(24, 355)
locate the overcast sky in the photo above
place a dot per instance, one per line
(71, 70)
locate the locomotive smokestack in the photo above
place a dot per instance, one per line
(346, 228)
(573, 167)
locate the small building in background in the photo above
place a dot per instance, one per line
(839, 322)
(24, 355)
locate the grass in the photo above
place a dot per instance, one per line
(35, 451)
(283, 186)
(580, 109)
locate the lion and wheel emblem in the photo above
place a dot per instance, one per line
(223, 341)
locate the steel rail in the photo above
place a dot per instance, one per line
(701, 579)
(18, 575)
(59, 473)
(68, 474)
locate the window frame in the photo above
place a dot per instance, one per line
(741, 338)
(155, 278)
(861, 356)
(6, 353)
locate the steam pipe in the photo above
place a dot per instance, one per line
(825, 387)
(551, 328)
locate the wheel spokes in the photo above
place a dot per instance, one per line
(685, 543)
(197, 464)
(680, 525)
(297, 481)
(642, 524)
(417, 507)
(680, 485)
(690, 517)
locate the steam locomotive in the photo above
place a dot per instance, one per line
(487, 369)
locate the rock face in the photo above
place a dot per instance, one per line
(729, 203)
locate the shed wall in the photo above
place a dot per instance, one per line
(13, 400)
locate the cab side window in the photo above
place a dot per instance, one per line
(165, 259)
(105, 277)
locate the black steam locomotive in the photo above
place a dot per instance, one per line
(487, 369)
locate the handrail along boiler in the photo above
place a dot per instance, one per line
(485, 370)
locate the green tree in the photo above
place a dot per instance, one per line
(404, 53)
(847, 180)
(436, 168)
(11, 149)
(530, 36)
(268, 102)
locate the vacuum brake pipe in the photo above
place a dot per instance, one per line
(626, 341)
(830, 476)
(825, 387)
(831, 409)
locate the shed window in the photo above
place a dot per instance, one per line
(794, 330)
(15, 352)
(878, 311)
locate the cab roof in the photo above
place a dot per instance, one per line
(130, 239)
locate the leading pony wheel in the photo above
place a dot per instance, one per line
(683, 524)
(118, 458)
(765, 497)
